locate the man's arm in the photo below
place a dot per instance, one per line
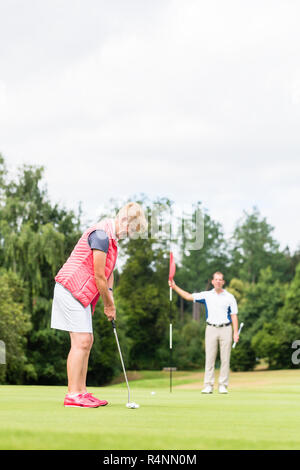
(235, 325)
(102, 284)
(184, 294)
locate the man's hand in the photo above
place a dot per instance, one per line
(184, 294)
(235, 337)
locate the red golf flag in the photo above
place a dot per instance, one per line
(172, 268)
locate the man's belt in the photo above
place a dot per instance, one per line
(218, 326)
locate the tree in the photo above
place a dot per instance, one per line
(35, 239)
(197, 266)
(14, 325)
(274, 341)
(262, 301)
(237, 288)
(188, 346)
(291, 309)
(143, 288)
(254, 249)
(242, 357)
(145, 301)
(258, 307)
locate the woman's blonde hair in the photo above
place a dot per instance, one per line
(133, 212)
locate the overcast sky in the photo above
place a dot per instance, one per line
(187, 99)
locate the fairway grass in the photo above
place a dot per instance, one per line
(262, 411)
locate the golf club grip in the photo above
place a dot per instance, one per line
(239, 332)
(113, 324)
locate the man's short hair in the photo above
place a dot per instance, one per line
(218, 272)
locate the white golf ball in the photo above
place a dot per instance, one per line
(132, 405)
(152, 393)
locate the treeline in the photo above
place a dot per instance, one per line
(37, 236)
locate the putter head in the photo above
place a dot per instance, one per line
(132, 405)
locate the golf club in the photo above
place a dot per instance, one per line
(129, 404)
(240, 329)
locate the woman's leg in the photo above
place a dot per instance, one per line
(77, 363)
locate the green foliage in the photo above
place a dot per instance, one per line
(237, 288)
(37, 236)
(243, 357)
(258, 305)
(14, 324)
(144, 290)
(262, 301)
(254, 249)
(198, 266)
(35, 239)
(268, 345)
(291, 309)
(49, 350)
(274, 341)
(189, 349)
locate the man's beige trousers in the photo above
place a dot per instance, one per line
(213, 337)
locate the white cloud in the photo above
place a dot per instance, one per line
(2, 94)
(191, 100)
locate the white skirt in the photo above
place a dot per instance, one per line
(68, 313)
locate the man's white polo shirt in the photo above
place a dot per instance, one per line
(219, 307)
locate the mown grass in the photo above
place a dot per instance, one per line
(262, 411)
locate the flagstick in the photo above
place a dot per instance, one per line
(171, 339)
(171, 275)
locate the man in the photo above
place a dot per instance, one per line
(221, 316)
(87, 274)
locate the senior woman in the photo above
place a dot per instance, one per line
(86, 275)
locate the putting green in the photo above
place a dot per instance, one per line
(262, 411)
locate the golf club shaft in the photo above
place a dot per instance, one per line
(171, 345)
(122, 362)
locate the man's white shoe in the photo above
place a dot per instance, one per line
(207, 389)
(223, 389)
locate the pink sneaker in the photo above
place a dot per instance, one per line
(96, 400)
(80, 401)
